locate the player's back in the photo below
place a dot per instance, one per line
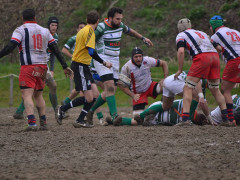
(196, 41)
(33, 41)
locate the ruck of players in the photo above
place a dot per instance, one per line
(94, 67)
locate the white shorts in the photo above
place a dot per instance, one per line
(102, 70)
(172, 87)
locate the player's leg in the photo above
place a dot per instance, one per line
(27, 95)
(19, 112)
(89, 100)
(229, 79)
(40, 105)
(98, 110)
(52, 85)
(71, 96)
(152, 109)
(191, 83)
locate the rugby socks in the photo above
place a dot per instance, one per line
(53, 100)
(99, 115)
(76, 102)
(230, 112)
(151, 110)
(67, 100)
(111, 101)
(20, 108)
(126, 121)
(31, 120)
(185, 116)
(85, 110)
(98, 103)
(224, 115)
(193, 107)
(43, 118)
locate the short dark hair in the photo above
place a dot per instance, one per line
(92, 17)
(112, 11)
(28, 15)
(81, 23)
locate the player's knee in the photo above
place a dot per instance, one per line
(190, 84)
(111, 89)
(215, 84)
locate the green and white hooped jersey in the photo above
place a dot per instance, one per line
(108, 39)
(173, 115)
(70, 44)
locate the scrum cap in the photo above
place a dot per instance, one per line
(184, 24)
(52, 19)
(215, 22)
(136, 50)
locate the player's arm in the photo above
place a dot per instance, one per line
(217, 46)
(92, 52)
(52, 62)
(66, 52)
(128, 92)
(54, 49)
(181, 44)
(8, 48)
(135, 34)
(164, 66)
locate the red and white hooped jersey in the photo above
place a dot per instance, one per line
(229, 40)
(195, 41)
(32, 41)
(140, 76)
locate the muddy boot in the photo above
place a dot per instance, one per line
(117, 121)
(90, 117)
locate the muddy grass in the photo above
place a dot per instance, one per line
(64, 152)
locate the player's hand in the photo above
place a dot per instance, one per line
(69, 73)
(136, 97)
(107, 64)
(147, 41)
(201, 102)
(177, 74)
(161, 83)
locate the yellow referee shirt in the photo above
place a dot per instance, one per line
(85, 38)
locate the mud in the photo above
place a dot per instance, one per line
(136, 152)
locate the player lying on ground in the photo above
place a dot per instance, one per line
(152, 116)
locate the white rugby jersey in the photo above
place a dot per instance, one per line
(229, 40)
(32, 41)
(195, 41)
(140, 76)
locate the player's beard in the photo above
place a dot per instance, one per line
(115, 26)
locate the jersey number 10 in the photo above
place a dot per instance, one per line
(37, 41)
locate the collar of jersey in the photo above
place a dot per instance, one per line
(30, 22)
(219, 28)
(107, 23)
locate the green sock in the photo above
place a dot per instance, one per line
(126, 121)
(53, 100)
(193, 107)
(111, 101)
(98, 103)
(67, 100)
(20, 108)
(99, 115)
(152, 110)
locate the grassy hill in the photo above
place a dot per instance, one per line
(155, 19)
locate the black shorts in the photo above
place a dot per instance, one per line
(82, 76)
